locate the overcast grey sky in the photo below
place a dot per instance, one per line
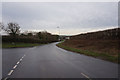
(73, 18)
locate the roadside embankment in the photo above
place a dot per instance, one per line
(109, 53)
(100, 44)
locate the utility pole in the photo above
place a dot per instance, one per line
(58, 32)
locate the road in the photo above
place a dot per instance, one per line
(49, 61)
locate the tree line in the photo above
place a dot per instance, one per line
(15, 35)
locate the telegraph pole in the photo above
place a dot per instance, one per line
(58, 32)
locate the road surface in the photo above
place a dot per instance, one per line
(49, 61)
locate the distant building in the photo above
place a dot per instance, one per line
(67, 37)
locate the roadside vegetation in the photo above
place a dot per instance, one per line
(19, 45)
(16, 38)
(101, 44)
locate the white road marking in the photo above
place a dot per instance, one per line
(21, 59)
(85, 76)
(24, 55)
(18, 62)
(10, 72)
(14, 66)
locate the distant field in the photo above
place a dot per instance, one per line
(18, 45)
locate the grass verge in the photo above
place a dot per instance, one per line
(103, 56)
(19, 45)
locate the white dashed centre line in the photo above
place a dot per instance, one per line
(86, 76)
(18, 62)
(24, 55)
(10, 72)
(14, 66)
(21, 59)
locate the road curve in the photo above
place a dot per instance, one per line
(49, 61)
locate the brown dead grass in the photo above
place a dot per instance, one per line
(110, 47)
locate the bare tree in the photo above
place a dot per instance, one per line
(13, 29)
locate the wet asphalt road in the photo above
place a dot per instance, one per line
(49, 61)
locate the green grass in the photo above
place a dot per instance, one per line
(90, 53)
(19, 45)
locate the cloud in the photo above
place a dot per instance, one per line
(73, 18)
